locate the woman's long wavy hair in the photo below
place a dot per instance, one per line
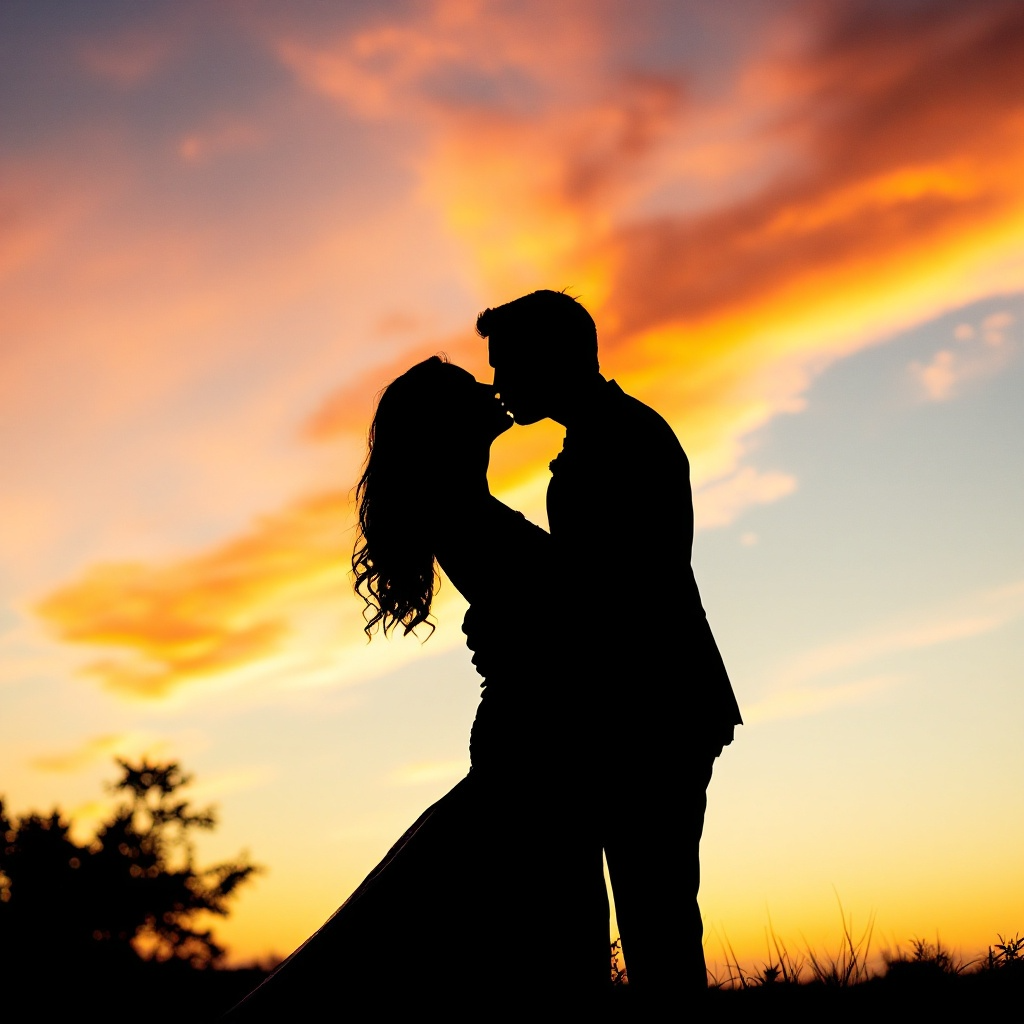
(393, 561)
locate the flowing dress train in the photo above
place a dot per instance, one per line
(496, 885)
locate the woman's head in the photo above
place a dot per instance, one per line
(431, 424)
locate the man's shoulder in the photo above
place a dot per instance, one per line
(626, 404)
(623, 413)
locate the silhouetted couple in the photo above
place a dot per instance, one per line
(605, 701)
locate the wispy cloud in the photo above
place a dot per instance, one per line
(802, 701)
(719, 504)
(427, 772)
(813, 681)
(237, 780)
(129, 745)
(982, 351)
(864, 649)
(222, 137)
(994, 327)
(72, 760)
(939, 376)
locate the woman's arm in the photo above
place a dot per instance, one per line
(488, 549)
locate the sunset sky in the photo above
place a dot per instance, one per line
(800, 229)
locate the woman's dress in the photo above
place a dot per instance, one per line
(497, 888)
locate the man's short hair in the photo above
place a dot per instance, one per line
(552, 325)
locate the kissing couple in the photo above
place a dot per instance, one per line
(604, 698)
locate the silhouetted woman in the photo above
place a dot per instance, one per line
(493, 891)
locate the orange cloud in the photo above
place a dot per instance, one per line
(207, 615)
(536, 196)
(886, 205)
(528, 127)
(896, 141)
(899, 174)
(895, 211)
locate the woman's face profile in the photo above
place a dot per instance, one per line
(475, 407)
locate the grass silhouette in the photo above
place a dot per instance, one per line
(847, 966)
(926, 978)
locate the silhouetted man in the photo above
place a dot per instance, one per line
(651, 687)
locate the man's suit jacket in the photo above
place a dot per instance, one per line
(620, 511)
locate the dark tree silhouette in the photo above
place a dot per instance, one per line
(133, 893)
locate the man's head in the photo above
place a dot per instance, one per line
(542, 346)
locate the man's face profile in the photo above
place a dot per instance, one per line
(517, 378)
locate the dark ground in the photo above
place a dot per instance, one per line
(151, 993)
